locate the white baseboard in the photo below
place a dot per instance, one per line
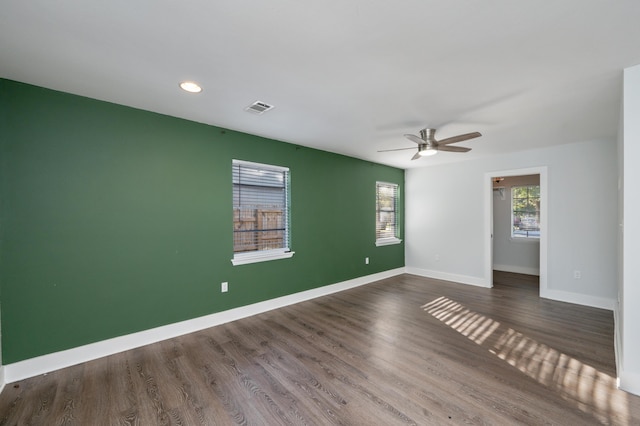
(438, 275)
(517, 269)
(629, 382)
(579, 299)
(2, 381)
(55, 361)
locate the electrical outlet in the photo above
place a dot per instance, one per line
(577, 275)
(224, 287)
(366, 260)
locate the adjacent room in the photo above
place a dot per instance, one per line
(333, 213)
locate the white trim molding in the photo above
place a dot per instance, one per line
(617, 339)
(544, 223)
(258, 256)
(446, 276)
(387, 241)
(55, 361)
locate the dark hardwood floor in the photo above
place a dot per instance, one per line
(406, 350)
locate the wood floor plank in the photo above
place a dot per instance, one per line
(405, 350)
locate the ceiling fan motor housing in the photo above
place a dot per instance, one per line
(428, 135)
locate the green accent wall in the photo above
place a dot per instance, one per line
(115, 220)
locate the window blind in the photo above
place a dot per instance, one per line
(260, 207)
(386, 210)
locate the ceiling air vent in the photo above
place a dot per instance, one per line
(258, 107)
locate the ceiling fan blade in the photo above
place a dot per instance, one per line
(397, 149)
(415, 139)
(415, 157)
(453, 148)
(459, 138)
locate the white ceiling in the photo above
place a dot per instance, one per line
(347, 76)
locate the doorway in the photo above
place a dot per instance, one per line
(527, 229)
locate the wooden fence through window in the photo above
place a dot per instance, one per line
(258, 229)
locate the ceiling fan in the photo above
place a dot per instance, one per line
(428, 145)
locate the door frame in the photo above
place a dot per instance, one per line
(544, 220)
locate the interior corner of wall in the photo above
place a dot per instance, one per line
(578, 298)
(629, 382)
(446, 276)
(2, 383)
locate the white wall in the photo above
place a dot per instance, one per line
(446, 223)
(629, 327)
(512, 255)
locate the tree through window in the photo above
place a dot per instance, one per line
(525, 211)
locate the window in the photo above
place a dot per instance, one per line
(387, 226)
(525, 211)
(261, 224)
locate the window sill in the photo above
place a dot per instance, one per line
(387, 241)
(526, 240)
(245, 259)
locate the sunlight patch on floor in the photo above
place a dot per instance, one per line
(593, 391)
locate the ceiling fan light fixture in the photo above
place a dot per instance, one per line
(426, 152)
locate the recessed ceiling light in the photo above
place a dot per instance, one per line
(190, 86)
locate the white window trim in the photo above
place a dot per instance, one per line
(387, 241)
(264, 256)
(527, 239)
(260, 165)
